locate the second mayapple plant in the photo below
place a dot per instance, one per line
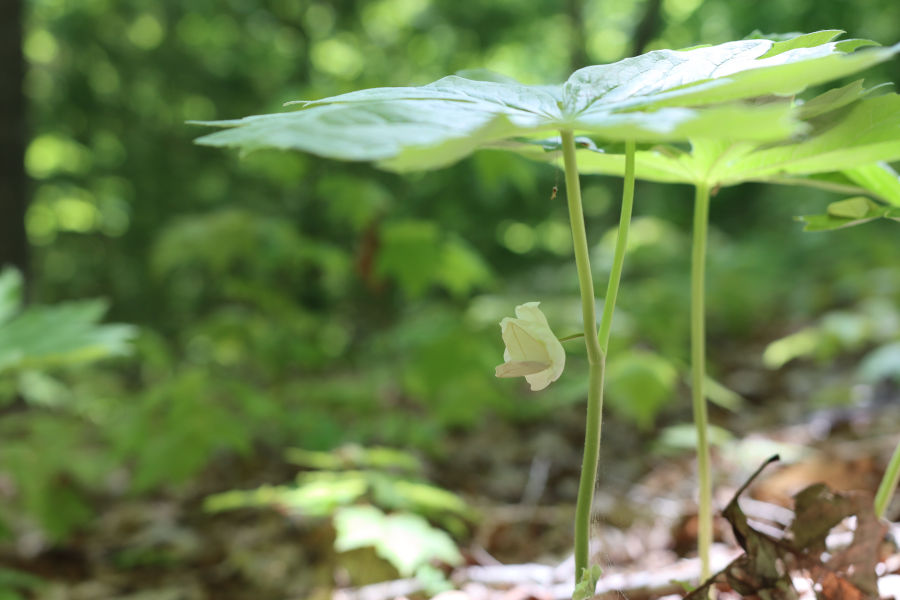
(701, 94)
(847, 130)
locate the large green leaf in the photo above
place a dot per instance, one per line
(850, 139)
(658, 96)
(879, 179)
(866, 132)
(745, 69)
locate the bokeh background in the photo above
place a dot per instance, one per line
(275, 301)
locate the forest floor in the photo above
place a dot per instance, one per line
(521, 482)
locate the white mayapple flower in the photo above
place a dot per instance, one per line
(532, 349)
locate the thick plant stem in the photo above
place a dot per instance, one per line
(594, 420)
(888, 484)
(595, 359)
(698, 374)
(596, 343)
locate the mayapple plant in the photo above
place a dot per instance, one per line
(713, 96)
(846, 131)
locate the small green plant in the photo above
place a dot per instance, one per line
(376, 498)
(728, 100)
(36, 338)
(38, 344)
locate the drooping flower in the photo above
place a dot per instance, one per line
(532, 349)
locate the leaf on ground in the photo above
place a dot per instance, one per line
(769, 565)
(835, 587)
(759, 568)
(817, 509)
(851, 568)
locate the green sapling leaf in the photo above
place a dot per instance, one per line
(844, 213)
(851, 208)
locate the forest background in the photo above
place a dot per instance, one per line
(278, 301)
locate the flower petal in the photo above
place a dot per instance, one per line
(532, 349)
(520, 368)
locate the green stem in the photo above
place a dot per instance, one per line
(698, 374)
(595, 360)
(888, 484)
(612, 289)
(579, 241)
(595, 342)
(589, 464)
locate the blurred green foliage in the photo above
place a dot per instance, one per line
(351, 486)
(288, 301)
(35, 343)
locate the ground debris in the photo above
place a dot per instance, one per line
(771, 565)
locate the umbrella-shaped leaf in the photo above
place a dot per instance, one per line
(743, 70)
(869, 131)
(661, 95)
(851, 140)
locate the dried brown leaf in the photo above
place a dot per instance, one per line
(766, 570)
(853, 566)
(817, 510)
(835, 587)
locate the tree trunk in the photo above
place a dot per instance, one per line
(578, 57)
(647, 27)
(13, 241)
